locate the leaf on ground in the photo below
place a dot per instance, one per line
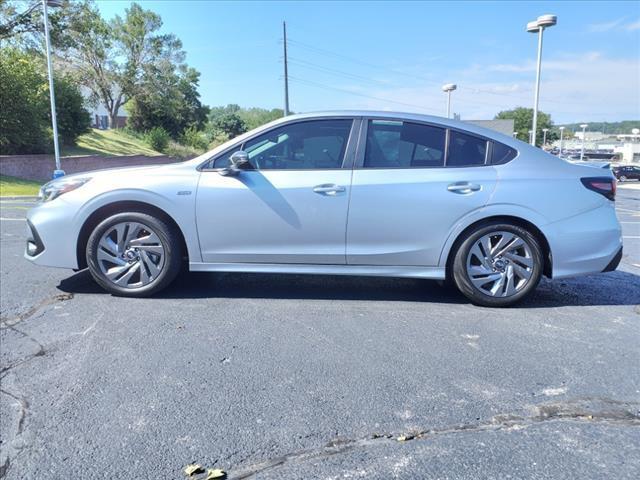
(213, 473)
(404, 438)
(192, 469)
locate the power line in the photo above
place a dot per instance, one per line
(421, 78)
(327, 87)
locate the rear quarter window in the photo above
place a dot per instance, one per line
(501, 154)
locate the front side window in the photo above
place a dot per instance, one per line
(465, 150)
(316, 144)
(394, 144)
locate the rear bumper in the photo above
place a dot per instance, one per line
(585, 244)
(613, 264)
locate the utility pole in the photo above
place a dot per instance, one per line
(286, 72)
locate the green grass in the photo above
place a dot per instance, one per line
(11, 186)
(108, 143)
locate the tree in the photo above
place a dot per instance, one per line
(230, 124)
(25, 116)
(73, 119)
(523, 121)
(23, 96)
(168, 99)
(112, 58)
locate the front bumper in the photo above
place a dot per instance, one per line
(52, 235)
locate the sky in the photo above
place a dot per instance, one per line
(388, 55)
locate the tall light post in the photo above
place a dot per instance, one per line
(584, 134)
(448, 88)
(530, 137)
(58, 172)
(544, 136)
(538, 26)
(561, 139)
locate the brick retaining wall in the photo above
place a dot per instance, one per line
(40, 167)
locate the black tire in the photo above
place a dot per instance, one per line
(169, 239)
(474, 294)
(622, 178)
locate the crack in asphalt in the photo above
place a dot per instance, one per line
(40, 352)
(30, 312)
(608, 411)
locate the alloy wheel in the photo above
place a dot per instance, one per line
(130, 255)
(500, 264)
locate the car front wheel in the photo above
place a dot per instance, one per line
(134, 254)
(623, 178)
(498, 265)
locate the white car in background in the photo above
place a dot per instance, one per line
(348, 193)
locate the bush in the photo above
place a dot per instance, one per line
(157, 138)
(183, 152)
(193, 138)
(25, 116)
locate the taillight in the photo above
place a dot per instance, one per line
(603, 185)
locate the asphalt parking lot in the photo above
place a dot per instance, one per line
(276, 376)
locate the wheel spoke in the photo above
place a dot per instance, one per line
(526, 261)
(104, 256)
(505, 239)
(132, 232)
(480, 281)
(498, 286)
(151, 239)
(510, 287)
(124, 279)
(154, 270)
(475, 251)
(521, 272)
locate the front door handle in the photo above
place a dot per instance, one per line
(329, 189)
(464, 187)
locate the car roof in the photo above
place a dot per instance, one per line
(418, 117)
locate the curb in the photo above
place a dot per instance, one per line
(20, 197)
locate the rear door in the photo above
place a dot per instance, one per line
(289, 206)
(412, 183)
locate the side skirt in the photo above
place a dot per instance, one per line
(432, 273)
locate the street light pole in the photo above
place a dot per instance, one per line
(538, 27)
(561, 139)
(584, 134)
(448, 88)
(544, 136)
(58, 171)
(286, 71)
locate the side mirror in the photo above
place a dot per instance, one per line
(237, 159)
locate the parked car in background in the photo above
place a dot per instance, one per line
(346, 193)
(626, 172)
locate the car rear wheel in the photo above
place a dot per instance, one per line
(134, 254)
(622, 178)
(498, 265)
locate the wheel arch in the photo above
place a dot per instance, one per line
(124, 206)
(521, 222)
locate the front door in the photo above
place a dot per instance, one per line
(289, 206)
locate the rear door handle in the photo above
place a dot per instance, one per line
(329, 189)
(463, 187)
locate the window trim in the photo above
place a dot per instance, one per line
(347, 161)
(362, 145)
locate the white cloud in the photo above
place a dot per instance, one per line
(633, 26)
(618, 25)
(606, 26)
(579, 87)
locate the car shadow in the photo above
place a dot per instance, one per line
(613, 288)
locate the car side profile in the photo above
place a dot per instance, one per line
(626, 172)
(348, 193)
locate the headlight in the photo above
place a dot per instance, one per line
(52, 190)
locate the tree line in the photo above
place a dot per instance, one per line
(123, 63)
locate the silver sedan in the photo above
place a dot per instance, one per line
(347, 193)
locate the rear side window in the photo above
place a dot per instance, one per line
(393, 144)
(500, 154)
(465, 150)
